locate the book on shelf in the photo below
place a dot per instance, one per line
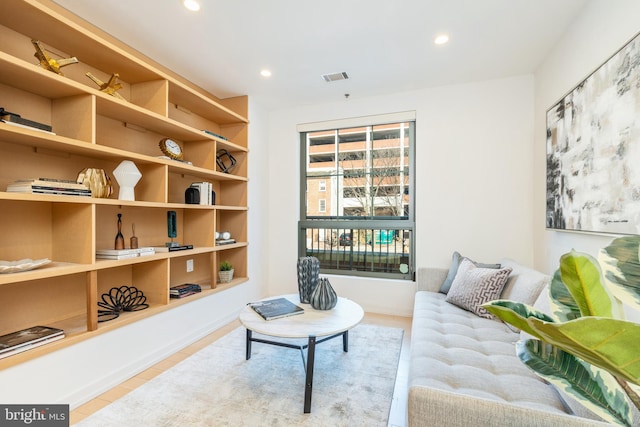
(225, 241)
(205, 189)
(49, 186)
(172, 248)
(276, 308)
(25, 339)
(186, 289)
(49, 182)
(214, 134)
(20, 125)
(17, 119)
(124, 253)
(59, 191)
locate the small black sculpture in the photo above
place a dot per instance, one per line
(124, 298)
(223, 155)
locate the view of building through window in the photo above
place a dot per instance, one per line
(358, 204)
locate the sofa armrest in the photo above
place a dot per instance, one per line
(430, 278)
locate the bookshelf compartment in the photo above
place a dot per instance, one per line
(231, 193)
(240, 168)
(69, 116)
(203, 272)
(207, 107)
(198, 227)
(236, 256)
(234, 222)
(58, 302)
(46, 230)
(201, 153)
(150, 225)
(178, 184)
(117, 133)
(151, 277)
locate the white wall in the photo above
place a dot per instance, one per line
(603, 27)
(474, 180)
(80, 372)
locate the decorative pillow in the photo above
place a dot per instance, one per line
(453, 270)
(474, 286)
(524, 284)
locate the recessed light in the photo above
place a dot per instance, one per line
(265, 73)
(192, 5)
(441, 39)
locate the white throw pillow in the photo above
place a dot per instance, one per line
(474, 286)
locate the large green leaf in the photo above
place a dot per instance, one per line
(582, 276)
(621, 268)
(611, 344)
(563, 306)
(516, 314)
(594, 388)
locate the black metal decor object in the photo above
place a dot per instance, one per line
(223, 156)
(117, 300)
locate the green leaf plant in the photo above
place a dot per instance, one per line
(585, 347)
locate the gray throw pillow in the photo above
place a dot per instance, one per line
(474, 286)
(453, 270)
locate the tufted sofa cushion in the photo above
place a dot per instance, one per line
(463, 371)
(467, 354)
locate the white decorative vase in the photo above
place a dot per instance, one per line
(127, 175)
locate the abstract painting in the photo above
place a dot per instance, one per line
(593, 150)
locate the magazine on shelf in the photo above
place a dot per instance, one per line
(276, 308)
(25, 339)
(48, 182)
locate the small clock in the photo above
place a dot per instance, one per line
(171, 148)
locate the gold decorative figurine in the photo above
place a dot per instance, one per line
(111, 87)
(47, 62)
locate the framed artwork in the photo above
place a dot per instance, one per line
(593, 150)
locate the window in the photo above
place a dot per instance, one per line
(364, 169)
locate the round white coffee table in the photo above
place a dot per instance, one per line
(312, 324)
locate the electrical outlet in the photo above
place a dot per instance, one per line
(189, 265)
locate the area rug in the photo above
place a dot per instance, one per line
(218, 387)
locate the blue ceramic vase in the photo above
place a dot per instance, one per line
(308, 275)
(323, 296)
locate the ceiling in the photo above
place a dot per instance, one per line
(385, 46)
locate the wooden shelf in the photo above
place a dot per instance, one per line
(94, 129)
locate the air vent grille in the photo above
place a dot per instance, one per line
(335, 77)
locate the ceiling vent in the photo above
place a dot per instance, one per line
(333, 77)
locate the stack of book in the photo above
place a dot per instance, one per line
(186, 289)
(17, 342)
(49, 186)
(206, 192)
(124, 253)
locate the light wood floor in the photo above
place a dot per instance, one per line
(397, 417)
